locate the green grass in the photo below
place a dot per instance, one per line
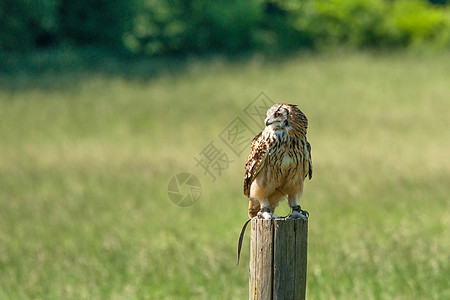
(85, 162)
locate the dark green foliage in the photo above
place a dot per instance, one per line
(356, 22)
(373, 23)
(161, 27)
(98, 22)
(27, 24)
(438, 1)
(198, 26)
(416, 23)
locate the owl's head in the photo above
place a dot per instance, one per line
(277, 116)
(286, 117)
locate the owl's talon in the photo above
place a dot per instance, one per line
(298, 213)
(266, 214)
(295, 215)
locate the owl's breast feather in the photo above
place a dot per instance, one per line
(287, 162)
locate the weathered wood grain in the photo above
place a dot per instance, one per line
(301, 257)
(278, 259)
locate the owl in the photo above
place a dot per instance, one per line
(278, 164)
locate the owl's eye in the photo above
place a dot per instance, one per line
(277, 114)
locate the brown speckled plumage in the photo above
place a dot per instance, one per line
(279, 161)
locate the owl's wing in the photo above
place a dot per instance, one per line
(255, 161)
(309, 158)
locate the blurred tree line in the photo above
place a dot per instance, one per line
(161, 27)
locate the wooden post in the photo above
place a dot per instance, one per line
(278, 254)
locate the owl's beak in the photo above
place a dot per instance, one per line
(267, 122)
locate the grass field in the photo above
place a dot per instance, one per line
(85, 162)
